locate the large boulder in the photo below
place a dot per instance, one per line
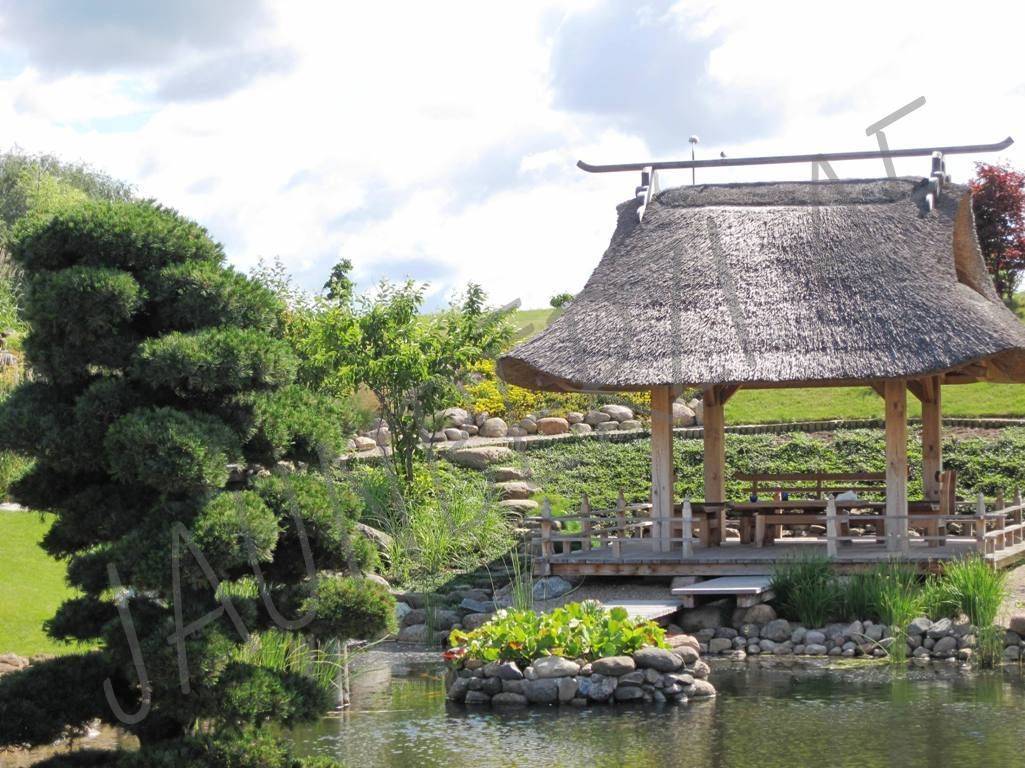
(493, 427)
(542, 691)
(630, 425)
(777, 630)
(515, 489)
(658, 659)
(580, 428)
(759, 614)
(698, 407)
(520, 507)
(596, 417)
(554, 666)
(704, 617)
(363, 443)
(381, 436)
(480, 457)
(606, 426)
(550, 587)
(1017, 624)
(504, 474)
(613, 666)
(574, 417)
(683, 416)
(617, 412)
(528, 425)
(552, 425)
(452, 417)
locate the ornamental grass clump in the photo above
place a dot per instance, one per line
(583, 630)
(807, 590)
(976, 589)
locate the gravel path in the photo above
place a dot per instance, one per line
(606, 590)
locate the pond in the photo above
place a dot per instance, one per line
(762, 718)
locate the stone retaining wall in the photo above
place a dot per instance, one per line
(757, 631)
(651, 676)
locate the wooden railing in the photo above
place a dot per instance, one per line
(605, 531)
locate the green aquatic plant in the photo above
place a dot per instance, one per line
(583, 630)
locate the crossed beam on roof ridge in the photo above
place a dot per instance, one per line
(727, 162)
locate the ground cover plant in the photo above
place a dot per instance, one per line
(155, 367)
(991, 463)
(583, 630)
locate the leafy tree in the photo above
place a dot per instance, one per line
(339, 286)
(998, 197)
(411, 362)
(157, 367)
(560, 300)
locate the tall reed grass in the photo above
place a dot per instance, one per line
(806, 589)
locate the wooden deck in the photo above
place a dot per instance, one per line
(637, 558)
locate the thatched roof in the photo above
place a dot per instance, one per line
(777, 284)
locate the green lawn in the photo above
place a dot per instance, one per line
(765, 406)
(529, 322)
(31, 585)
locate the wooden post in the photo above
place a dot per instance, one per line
(547, 550)
(932, 438)
(617, 543)
(688, 529)
(831, 526)
(585, 523)
(895, 394)
(662, 466)
(714, 423)
(1019, 535)
(980, 524)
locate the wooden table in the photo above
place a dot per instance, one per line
(759, 526)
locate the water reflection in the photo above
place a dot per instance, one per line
(763, 718)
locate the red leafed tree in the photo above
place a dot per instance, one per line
(998, 195)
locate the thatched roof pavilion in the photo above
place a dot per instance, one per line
(792, 284)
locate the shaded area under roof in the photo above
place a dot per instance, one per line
(781, 284)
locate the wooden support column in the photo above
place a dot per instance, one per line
(895, 392)
(932, 438)
(662, 466)
(713, 420)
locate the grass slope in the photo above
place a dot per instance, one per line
(768, 406)
(31, 585)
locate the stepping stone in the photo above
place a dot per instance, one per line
(749, 590)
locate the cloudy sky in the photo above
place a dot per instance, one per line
(438, 140)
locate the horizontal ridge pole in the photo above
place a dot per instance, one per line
(730, 162)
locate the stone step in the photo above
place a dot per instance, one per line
(749, 590)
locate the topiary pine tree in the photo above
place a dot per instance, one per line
(155, 368)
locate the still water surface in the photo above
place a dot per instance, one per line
(762, 718)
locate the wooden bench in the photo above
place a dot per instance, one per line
(815, 485)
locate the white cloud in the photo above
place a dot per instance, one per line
(433, 138)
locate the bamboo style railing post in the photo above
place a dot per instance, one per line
(585, 523)
(980, 524)
(687, 544)
(617, 542)
(831, 526)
